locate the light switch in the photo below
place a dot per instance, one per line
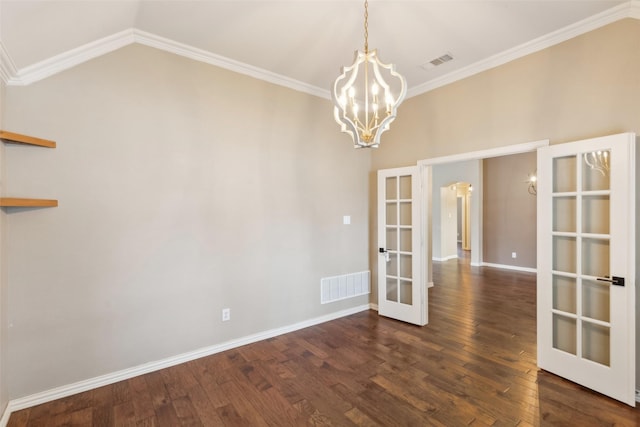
(346, 220)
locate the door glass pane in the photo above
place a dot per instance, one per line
(564, 333)
(392, 265)
(564, 214)
(596, 344)
(406, 266)
(392, 239)
(564, 174)
(405, 240)
(392, 214)
(595, 214)
(564, 254)
(595, 170)
(596, 300)
(405, 213)
(391, 188)
(595, 257)
(406, 294)
(405, 187)
(392, 290)
(564, 294)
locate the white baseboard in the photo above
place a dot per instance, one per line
(510, 267)
(91, 383)
(447, 258)
(5, 416)
(373, 307)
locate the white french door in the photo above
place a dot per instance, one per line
(401, 290)
(586, 263)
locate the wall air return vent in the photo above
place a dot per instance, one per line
(437, 61)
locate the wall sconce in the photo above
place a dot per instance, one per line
(533, 183)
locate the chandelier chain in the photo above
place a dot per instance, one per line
(366, 26)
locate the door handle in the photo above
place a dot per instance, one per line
(614, 280)
(385, 253)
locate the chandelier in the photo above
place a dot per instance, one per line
(598, 161)
(366, 102)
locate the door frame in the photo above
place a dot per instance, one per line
(426, 171)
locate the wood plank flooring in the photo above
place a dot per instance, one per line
(474, 364)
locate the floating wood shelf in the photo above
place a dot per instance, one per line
(16, 138)
(15, 202)
(27, 203)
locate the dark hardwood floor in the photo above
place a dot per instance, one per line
(474, 364)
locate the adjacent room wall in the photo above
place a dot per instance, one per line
(448, 174)
(509, 211)
(183, 189)
(448, 217)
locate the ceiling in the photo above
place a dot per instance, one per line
(302, 42)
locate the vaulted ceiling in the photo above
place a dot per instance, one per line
(297, 43)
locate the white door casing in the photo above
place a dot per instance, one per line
(402, 293)
(586, 242)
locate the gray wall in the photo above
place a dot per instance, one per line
(183, 189)
(509, 211)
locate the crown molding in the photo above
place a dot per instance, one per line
(630, 9)
(56, 64)
(77, 56)
(7, 67)
(49, 67)
(168, 45)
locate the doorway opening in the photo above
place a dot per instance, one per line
(455, 221)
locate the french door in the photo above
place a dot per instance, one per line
(586, 263)
(401, 289)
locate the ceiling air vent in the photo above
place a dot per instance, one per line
(437, 61)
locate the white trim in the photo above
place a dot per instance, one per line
(630, 9)
(373, 306)
(447, 258)
(56, 64)
(71, 58)
(7, 67)
(92, 383)
(488, 153)
(510, 267)
(5, 417)
(153, 40)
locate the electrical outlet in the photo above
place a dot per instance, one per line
(226, 314)
(514, 255)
